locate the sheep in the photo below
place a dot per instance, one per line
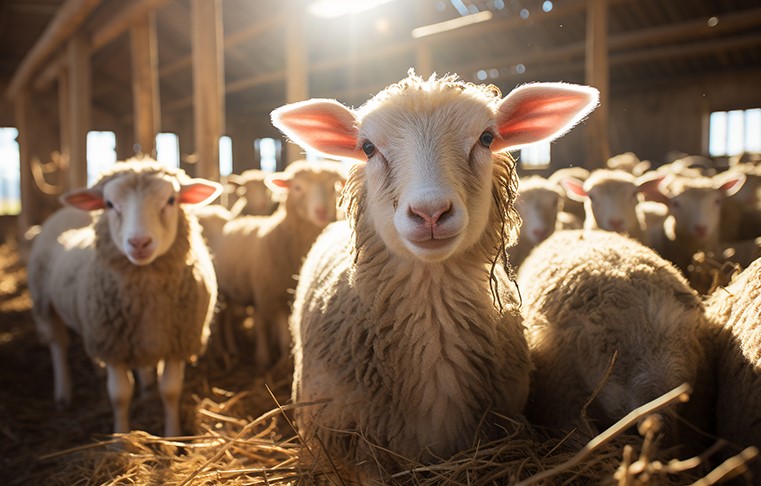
(137, 283)
(628, 162)
(611, 200)
(256, 257)
(404, 319)
(538, 205)
(741, 212)
(693, 223)
(254, 198)
(589, 295)
(571, 206)
(734, 311)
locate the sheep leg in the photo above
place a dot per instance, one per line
(170, 387)
(146, 376)
(59, 351)
(120, 387)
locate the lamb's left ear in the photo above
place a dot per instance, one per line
(729, 182)
(541, 112)
(84, 199)
(278, 182)
(199, 192)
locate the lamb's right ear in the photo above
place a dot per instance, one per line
(541, 112)
(278, 182)
(199, 192)
(574, 188)
(84, 199)
(323, 125)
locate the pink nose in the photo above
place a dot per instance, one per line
(617, 224)
(431, 215)
(701, 230)
(140, 242)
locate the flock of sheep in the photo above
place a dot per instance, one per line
(410, 334)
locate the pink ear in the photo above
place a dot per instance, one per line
(574, 188)
(651, 185)
(84, 199)
(278, 181)
(199, 192)
(323, 125)
(730, 184)
(541, 112)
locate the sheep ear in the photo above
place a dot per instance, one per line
(574, 188)
(199, 192)
(651, 185)
(235, 180)
(729, 185)
(84, 199)
(541, 112)
(323, 125)
(278, 182)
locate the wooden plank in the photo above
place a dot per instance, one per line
(80, 98)
(70, 17)
(130, 15)
(297, 73)
(208, 84)
(145, 83)
(597, 75)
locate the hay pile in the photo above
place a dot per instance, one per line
(242, 433)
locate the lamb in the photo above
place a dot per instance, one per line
(611, 200)
(254, 198)
(257, 257)
(138, 283)
(734, 311)
(588, 295)
(404, 319)
(538, 204)
(694, 219)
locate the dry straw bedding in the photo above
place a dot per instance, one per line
(242, 433)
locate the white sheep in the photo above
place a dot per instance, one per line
(611, 200)
(254, 198)
(257, 257)
(404, 319)
(735, 310)
(693, 223)
(138, 284)
(588, 295)
(539, 202)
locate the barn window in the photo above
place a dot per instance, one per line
(734, 132)
(101, 154)
(267, 150)
(168, 149)
(10, 173)
(225, 156)
(535, 156)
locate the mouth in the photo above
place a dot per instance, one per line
(140, 257)
(433, 243)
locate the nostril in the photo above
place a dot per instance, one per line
(140, 243)
(428, 215)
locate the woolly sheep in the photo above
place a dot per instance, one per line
(254, 198)
(257, 257)
(694, 219)
(137, 284)
(397, 320)
(588, 295)
(611, 200)
(735, 310)
(538, 204)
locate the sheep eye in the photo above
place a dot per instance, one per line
(109, 205)
(486, 139)
(368, 148)
(170, 202)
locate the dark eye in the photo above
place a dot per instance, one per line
(170, 201)
(109, 205)
(486, 139)
(368, 148)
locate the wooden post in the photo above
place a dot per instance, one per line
(423, 60)
(29, 207)
(208, 85)
(64, 112)
(145, 83)
(297, 72)
(597, 75)
(80, 97)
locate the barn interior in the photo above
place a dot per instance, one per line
(207, 69)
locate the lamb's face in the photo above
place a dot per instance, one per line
(314, 195)
(613, 203)
(428, 173)
(258, 197)
(142, 216)
(697, 212)
(538, 208)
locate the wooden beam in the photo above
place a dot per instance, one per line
(598, 76)
(208, 84)
(70, 17)
(145, 83)
(130, 15)
(80, 101)
(297, 71)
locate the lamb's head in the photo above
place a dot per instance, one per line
(538, 203)
(250, 185)
(140, 200)
(310, 189)
(695, 203)
(427, 186)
